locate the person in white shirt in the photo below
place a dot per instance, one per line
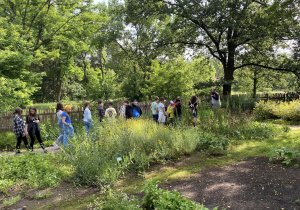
(59, 111)
(87, 117)
(162, 115)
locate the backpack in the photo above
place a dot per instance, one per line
(135, 112)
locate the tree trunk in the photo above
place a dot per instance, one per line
(228, 77)
(229, 66)
(254, 83)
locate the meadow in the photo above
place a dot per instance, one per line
(114, 152)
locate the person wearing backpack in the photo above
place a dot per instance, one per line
(193, 106)
(136, 110)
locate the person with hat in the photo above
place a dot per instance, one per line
(67, 125)
(171, 112)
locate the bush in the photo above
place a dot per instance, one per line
(8, 141)
(287, 156)
(263, 110)
(163, 200)
(133, 145)
(117, 200)
(214, 144)
(284, 110)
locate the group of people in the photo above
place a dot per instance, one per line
(161, 114)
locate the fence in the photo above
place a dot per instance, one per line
(6, 119)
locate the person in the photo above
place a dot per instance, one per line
(59, 111)
(19, 129)
(101, 110)
(193, 106)
(170, 112)
(136, 110)
(215, 98)
(67, 125)
(110, 112)
(32, 128)
(87, 117)
(122, 110)
(154, 109)
(161, 111)
(178, 111)
(128, 109)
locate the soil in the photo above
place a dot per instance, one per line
(254, 183)
(65, 191)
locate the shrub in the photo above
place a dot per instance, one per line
(117, 200)
(286, 155)
(283, 110)
(263, 110)
(214, 144)
(156, 198)
(256, 130)
(8, 141)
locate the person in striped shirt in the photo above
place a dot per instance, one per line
(19, 129)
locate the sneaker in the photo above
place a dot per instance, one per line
(18, 151)
(45, 151)
(55, 145)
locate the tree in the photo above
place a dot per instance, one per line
(227, 30)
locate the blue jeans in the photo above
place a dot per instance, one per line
(60, 139)
(68, 131)
(155, 117)
(87, 125)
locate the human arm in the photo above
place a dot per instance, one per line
(26, 126)
(37, 121)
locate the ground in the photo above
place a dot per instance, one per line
(254, 183)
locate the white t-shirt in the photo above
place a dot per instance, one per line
(161, 116)
(58, 114)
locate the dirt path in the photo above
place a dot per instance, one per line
(251, 184)
(32, 199)
(40, 150)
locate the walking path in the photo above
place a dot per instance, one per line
(40, 150)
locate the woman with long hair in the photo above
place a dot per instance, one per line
(59, 111)
(87, 117)
(32, 128)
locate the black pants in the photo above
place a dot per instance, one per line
(38, 136)
(19, 141)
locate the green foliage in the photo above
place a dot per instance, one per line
(43, 195)
(12, 201)
(156, 198)
(287, 156)
(284, 110)
(214, 144)
(117, 200)
(239, 102)
(8, 141)
(31, 170)
(49, 132)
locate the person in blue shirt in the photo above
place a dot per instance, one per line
(87, 117)
(67, 125)
(136, 110)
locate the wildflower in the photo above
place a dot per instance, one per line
(238, 132)
(119, 159)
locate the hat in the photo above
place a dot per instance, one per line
(171, 102)
(67, 107)
(134, 100)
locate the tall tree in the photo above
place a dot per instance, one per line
(227, 30)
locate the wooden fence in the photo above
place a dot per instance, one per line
(6, 119)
